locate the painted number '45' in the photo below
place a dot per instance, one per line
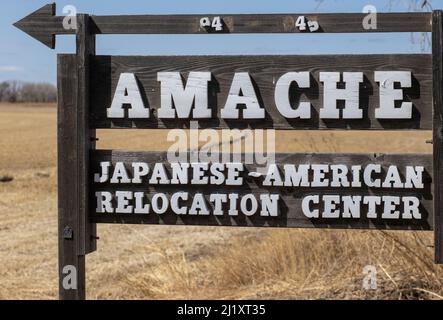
(301, 24)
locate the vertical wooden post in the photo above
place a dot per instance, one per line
(77, 236)
(85, 136)
(437, 60)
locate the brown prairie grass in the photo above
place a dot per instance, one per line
(288, 264)
(161, 262)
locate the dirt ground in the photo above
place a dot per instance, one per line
(152, 262)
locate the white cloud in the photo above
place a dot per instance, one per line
(10, 68)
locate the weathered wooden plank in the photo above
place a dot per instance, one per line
(77, 236)
(437, 56)
(68, 172)
(290, 213)
(261, 23)
(85, 135)
(43, 25)
(265, 71)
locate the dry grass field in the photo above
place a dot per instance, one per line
(163, 262)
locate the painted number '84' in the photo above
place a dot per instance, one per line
(301, 24)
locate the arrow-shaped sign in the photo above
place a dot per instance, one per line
(43, 24)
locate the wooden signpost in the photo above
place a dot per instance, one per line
(369, 92)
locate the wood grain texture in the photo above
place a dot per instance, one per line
(264, 70)
(68, 172)
(437, 51)
(260, 23)
(75, 140)
(43, 25)
(290, 208)
(85, 136)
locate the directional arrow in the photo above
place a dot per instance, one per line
(43, 24)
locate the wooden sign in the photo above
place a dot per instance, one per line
(281, 92)
(374, 92)
(384, 191)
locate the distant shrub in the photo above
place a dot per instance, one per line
(6, 178)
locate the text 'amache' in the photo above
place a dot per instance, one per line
(188, 99)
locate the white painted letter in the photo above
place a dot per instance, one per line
(141, 169)
(411, 208)
(389, 211)
(350, 95)
(242, 83)
(173, 93)
(414, 177)
(282, 102)
(127, 93)
(306, 206)
(367, 175)
(104, 172)
(388, 94)
(104, 202)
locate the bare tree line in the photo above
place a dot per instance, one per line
(16, 91)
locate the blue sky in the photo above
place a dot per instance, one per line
(23, 58)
